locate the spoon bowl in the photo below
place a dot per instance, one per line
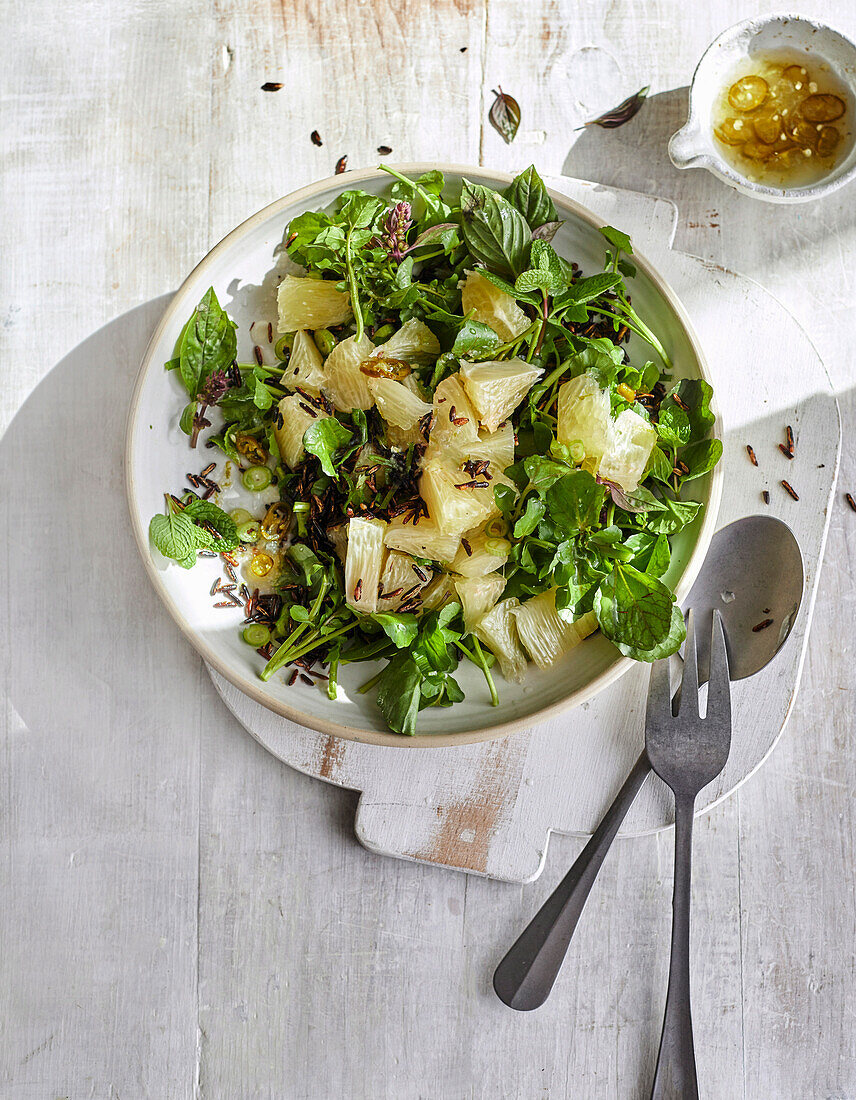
(752, 575)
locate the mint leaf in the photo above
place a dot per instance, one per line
(207, 512)
(634, 610)
(209, 343)
(495, 232)
(696, 394)
(323, 439)
(177, 537)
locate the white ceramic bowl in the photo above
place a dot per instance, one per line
(243, 271)
(694, 145)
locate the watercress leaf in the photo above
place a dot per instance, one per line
(575, 500)
(177, 537)
(308, 565)
(209, 343)
(359, 209)
(668, 645)
(262, 398)
(543, 472)
(620, 240)
(503, 284)
(673, 426)
(401, 629)
(475, 340)
(205, 511)
(700, 457)
(432, 182)
(675, 515)
(528, 194)
(651, 553)
(399, 695)
(299, 613)
(633, 609)
(505, 497)
(535, 509)
(496, 233)
(323, 439)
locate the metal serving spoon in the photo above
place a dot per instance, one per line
(753, 572)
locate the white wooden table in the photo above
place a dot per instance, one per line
(180, 915)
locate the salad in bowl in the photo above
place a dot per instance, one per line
(452, 446)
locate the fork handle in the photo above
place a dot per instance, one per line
(675, 1076)
(525, 976)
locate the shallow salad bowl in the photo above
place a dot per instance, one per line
(244, 269)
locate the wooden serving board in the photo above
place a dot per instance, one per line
(489, 808)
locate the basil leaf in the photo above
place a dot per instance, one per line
(620, 240)
(204, 511)
(401, 629)
(701, 457)
(575, 501)
(475, 339)
(177, 537)
(323, 439)
(186, 420)
(633, 609)
(528, 194)
(209, 343)
(495, 232)
(398, 694)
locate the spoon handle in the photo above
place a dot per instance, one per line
(525, 976)
(675, 1075)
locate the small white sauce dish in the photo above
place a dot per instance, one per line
(694, 145)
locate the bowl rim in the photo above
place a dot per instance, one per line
(707, 155)
(245, 683)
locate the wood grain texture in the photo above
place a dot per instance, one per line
(128, 146)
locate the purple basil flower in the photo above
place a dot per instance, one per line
(395, 226)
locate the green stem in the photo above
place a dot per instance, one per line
(482, 663)
(352, 286)
(332, 685)
(283, 654)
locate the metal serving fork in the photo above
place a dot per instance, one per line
(687, 752)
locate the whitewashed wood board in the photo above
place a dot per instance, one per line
(489, 808)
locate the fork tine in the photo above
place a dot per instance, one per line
(689, 681)
(719, 685)
(660, 692)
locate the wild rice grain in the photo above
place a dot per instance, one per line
(752, 457)
(257, 351)
(764, 623)
(766, 496)
(787, 453)
(850, 501)
(790, 490)
(293, 678)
